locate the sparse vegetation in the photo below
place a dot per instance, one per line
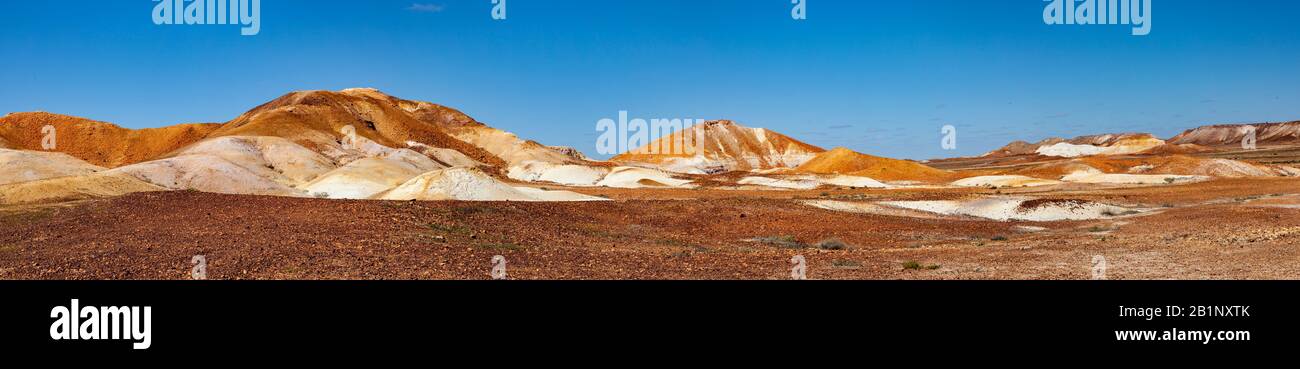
(1098, 229)
(832, 244)
(21, 217)
(999, 238)
(781, 241)
(845, 264)
(914, 265)
(452, 229)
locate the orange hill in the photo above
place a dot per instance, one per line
(1168, 164)
(722, 145)
(845, 161)
(315, 118)
(99, 143)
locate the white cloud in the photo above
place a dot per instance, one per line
(425, 8)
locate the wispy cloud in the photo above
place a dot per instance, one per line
(841, 126)
(425, 8)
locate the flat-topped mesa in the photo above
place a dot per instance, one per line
(719, 146)
(1233, 134)
(1102, 144)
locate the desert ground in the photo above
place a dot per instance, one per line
(1224, 229)
(358, 184)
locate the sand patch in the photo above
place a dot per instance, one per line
(565, 174)
(274, 158)
(207, 173)
(1096, 177)
(363, 179)
(791, 184)
(470, 184)
(1004, 181)
(634, 177)
(90, 186)
(25, 166)
(1010, 208)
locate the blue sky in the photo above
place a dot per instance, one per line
(880, 77)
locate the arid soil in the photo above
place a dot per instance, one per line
(1222, 229)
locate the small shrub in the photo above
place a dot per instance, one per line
(913, 265)
(781, 241)
(452, 229)
(844, 263)
(832, 244)
(999, 238)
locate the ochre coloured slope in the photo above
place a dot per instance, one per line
(845, 161)
(99, 143)
(1176, 149)
(1232, 134)
(1170, 164)
(1103, 144)
(316, 118)
(721, 145)
(509, 147)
